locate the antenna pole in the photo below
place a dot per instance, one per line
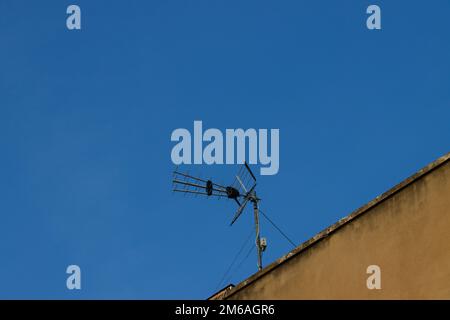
(258, 238)
(242, 194)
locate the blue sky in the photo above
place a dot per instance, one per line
(86, 118)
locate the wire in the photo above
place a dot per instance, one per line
(242, 262)
(246, 257)
(235, 259)
(276, 227)
(228, 275)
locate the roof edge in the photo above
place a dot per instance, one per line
(331, 229)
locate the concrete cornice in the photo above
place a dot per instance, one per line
(333, 228)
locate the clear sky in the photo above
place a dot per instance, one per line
(86, 118)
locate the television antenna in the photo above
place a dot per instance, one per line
(242, 191)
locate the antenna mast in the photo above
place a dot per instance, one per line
(243, 189)
(258, 239)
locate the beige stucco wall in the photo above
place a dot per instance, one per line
(407, 235)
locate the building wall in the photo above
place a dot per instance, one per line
(407, 234)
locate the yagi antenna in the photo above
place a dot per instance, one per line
(242, 191)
